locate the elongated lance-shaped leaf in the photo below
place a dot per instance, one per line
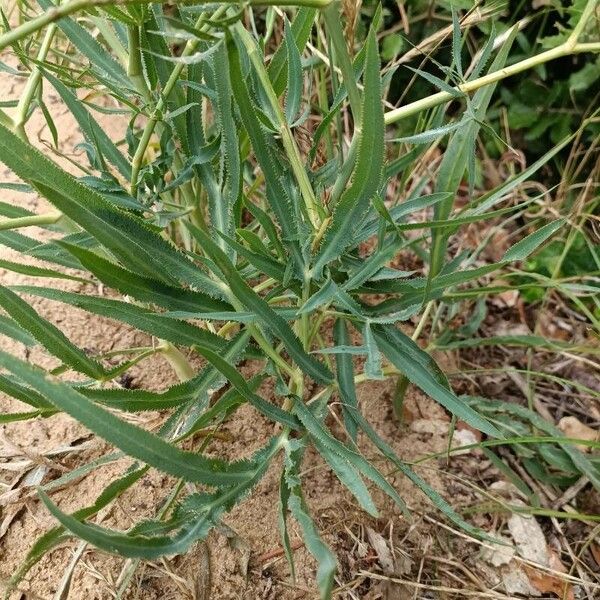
(48, 335)
(33, 271)
(94, 134)
(489, 199)
(193, 394)
(264, 264)
(278, 197)
(157, 54)
(175, 331)
(523, 248)
(254, 303)
(292, 499)
(294, 87)
(225, 405)
(425, 137)
(373, 362)
(369, 166)
(495, 408)
(143, 288)
(459, 155)
(10, 328)
(267, 224)
(196, 136)
(400, 350)
(345, 377)
(132, 440)
(56, 535)
(197, 526)
(23, 393)
(101, 62)
(397, 213)
(127, 237)
(338, 455)
(444, 86)
(269, 410)
(354, 421)
(221, 213)
(456, 43)
(300, 30)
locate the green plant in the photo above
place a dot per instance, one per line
(227, 223)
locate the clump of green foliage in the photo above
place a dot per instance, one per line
(228, 224)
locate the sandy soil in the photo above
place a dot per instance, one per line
(240, 560)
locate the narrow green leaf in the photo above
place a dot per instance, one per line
(23, 393)
(430, 135)
(127, 237)
(48, 335)
(56, 535)
(38, 271)
(12, 329)
(291, 493)
(177, 332)
(94, 134)
(277, 195)
(295, 81)
(321, 297)
(456, 43)
(345, 377)
(132, 440)
(196, 524)
(444, 86)
(344, 461)
(142, 288)
(373, 362)
(301, 28)
(100, 60)
(401, 352)
(523, 248)
(221, 212)
(269, 410)
(369, 166)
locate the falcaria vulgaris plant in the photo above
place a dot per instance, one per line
(228, 240)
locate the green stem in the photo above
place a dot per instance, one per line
(566, 49)
(32, 86)
(585, 16)
(48, 218)
(110, 37)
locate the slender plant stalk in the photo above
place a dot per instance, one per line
(32, 85)
(566, 49)
(135, 68)
(48, 218)
(111, 38)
